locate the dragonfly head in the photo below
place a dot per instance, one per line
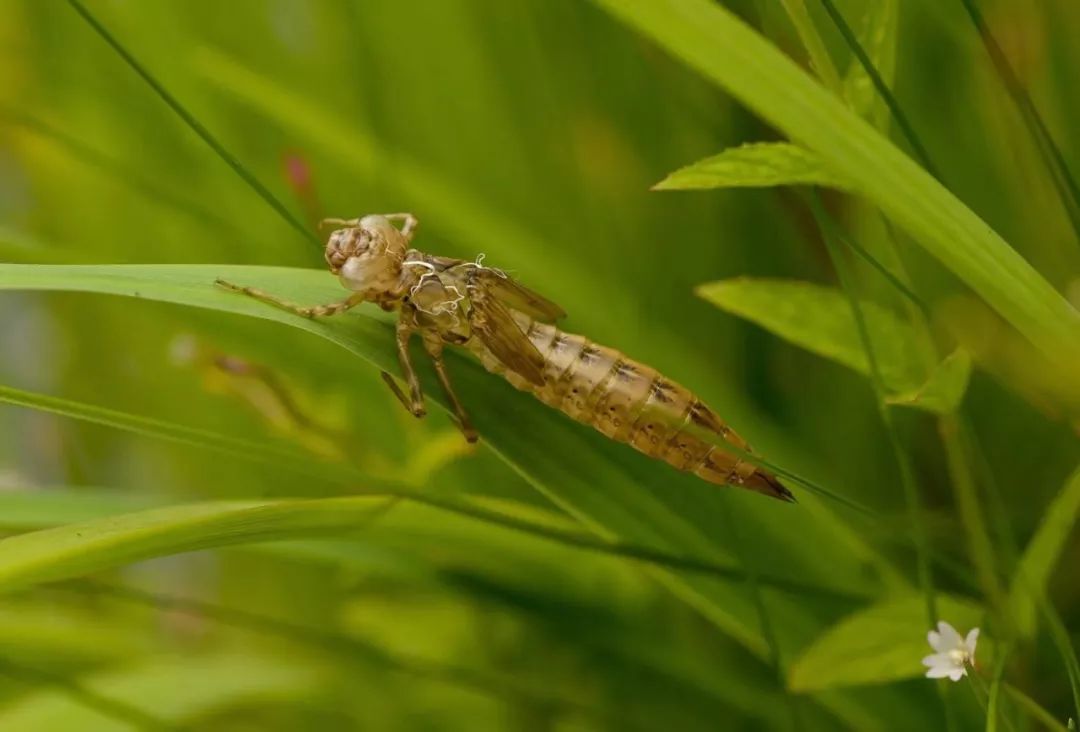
(366, 254)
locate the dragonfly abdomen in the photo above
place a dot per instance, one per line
(631, 403)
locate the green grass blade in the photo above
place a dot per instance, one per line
(267, 454)
(196, 126)
(820, 59)
(1043, 552)
(712, 40)
(635, 505)
(755, 165)
(1060, 175)
(906, 129)
(209, 683)
(877, 36)
(907, 474)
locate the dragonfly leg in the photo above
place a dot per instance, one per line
(312, 311)
(435, 350)
(408, 228)
(415, 401)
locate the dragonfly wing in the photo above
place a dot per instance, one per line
(515, 295)
(495, 326)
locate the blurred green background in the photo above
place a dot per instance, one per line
(530, 132)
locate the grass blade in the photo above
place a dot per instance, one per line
(196, 126)
(1060, 175)
(712, 40)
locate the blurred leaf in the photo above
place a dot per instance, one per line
(1042, 554)
(714, 41)
(944, 390)
(877, 34)
(820, 320)
(209, 684)
(883, 643)
(754, 165)
(820, 59)
(40, 633)
(611, 490)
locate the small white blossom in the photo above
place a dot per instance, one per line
(954, 652)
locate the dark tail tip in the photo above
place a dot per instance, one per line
(767, 483)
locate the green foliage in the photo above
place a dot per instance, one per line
(819, 319)
(944, 388)
(214, 520)
(756, 165)
(876, 645)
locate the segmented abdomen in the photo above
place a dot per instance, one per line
(632, 403)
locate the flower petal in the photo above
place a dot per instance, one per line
(938, 659)
(957, 673)
(950, 639)
(934, 639)
(938, 672)
(971, 640)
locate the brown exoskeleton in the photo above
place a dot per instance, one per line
(510, 328)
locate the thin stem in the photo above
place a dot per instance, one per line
(980, 546)
(1064, 183)
(820, 59)
(882, 88)
(194, 124)
(768, 633)
(907, 475)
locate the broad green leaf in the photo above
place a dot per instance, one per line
(753, 165)
(711, 39)
(635, 502)
(820, 320)
(209, 684)
(883, 643)
(876, 33)
(1042, 554)
(943, 390)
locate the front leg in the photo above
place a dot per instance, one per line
(415, 401)
(434, 347)
(312, 311)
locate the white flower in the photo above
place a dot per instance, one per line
(954, 652)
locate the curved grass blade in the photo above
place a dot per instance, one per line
(196, 126)
(712, 40)
(81, 698)
(97, 702)
(264, 453)
(1042, 554)
(338, 645)
(613, 492)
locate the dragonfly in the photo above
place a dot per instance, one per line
(513, 332)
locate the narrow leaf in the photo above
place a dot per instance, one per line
(1042, 554)
(943, 390)
(877, 35)
(711, 39)
(820, 320)
(754, 165)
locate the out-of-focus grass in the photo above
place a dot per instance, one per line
(531, 132)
